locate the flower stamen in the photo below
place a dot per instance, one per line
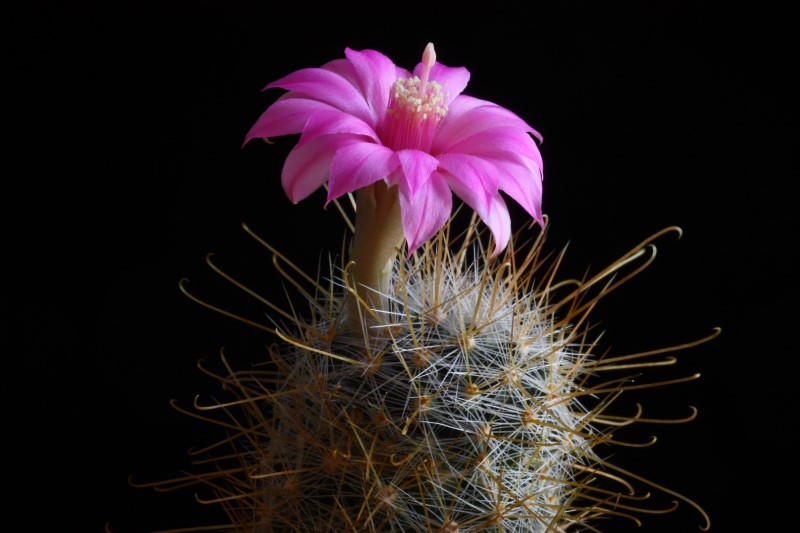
(416, 107)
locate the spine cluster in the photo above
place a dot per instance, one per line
(473, 402)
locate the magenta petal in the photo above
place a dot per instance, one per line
(286, 116)
(521, 179)
(328, 122)
(357, 165)
(467, 121)
(375, 74)
(417, 167)
(475, 174)
(347, 70)
(328, 87)
(307, 167)
(427, 212)
(499, 222)
(343, 68)
(452, 79)
(495, 215)
(400, 72)
(498, 140)
(462, 104)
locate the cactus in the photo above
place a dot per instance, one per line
(438, 376)
(476, 401)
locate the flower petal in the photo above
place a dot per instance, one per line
(495, 216)
(427, 212)
(343, 68)
(461, 104)
(329, 87)
(417, 168)
(468, 116)
(499, 222)
(357, 165)
(286, 116)
(452, 79)
(521, 179)
(375, 74)
(347, 70)
(328, 122)
(307, 167)
(500, 139)
(475, 174)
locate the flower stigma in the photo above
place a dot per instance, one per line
(416, 107)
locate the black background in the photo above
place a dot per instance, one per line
(126, 168)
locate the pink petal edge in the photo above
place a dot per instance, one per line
(307, 167)
(358, 165)
(326, 86)
(427, 213)
(375, 74)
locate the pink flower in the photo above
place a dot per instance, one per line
(362, 119)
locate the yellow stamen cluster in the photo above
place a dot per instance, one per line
(416, 108)
(408, 98)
